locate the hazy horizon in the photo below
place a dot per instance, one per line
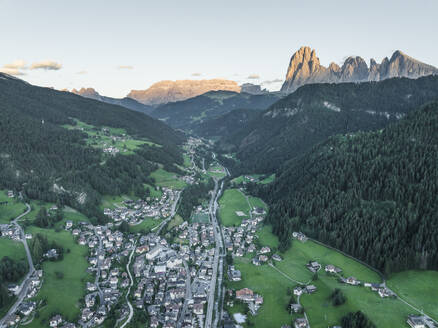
(115, 47)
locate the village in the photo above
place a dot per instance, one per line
(170, 272)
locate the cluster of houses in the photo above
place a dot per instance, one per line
(420, 321)
(163, 273)
(107, 248)
(241, 240)
(247, 296)
(134, 212)
(10, 231)
(26, 307)
(111, 150)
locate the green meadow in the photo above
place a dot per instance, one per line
(62, 295)
(385, 313)
(231, 202)
(167, 179)
(11, 209)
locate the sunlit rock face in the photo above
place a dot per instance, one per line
(305, 68)
(169, 91)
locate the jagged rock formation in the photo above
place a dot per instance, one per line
(252, 89)
(304, 68)
(87, 93)
(169, 91)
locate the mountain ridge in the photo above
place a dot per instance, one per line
(167, 91)
(305, 68)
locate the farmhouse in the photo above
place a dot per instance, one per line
(352, 281)
(301, 323)
(245, 294)
(332, 269)
(313, 266)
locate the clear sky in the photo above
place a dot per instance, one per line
(116, 46)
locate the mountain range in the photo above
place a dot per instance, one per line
(164, 92)
(125, 102)
(305, 68)
(190, 113)
(294, 124)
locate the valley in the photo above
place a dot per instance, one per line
(214, 203)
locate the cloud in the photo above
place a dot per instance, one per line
(125, 67)
(196, 74)
(17, 64)
(11, 71)
(253, 77)
(82, 72)
(47, 65)
(272, 81)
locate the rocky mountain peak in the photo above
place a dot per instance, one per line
(87, 92)
(305, 68)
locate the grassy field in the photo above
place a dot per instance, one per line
(72, 285)
(269, 179)
(176, 221)
(146, 225)
(98, 139)
(419, 288)
(256, 202)
(167, 179)
(266, 237)
(109, 201)
(231, 201)
(200, 218)
(12, 249)
(153, 191)
(385, 313)
(216, 171)
(12, 209)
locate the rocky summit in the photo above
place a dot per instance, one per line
(170, 91)
(305, 68)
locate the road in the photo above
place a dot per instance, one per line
(218, 257)
(172, 214)
(25, 284)
(131, 309)
(188, 295)
(99, 265)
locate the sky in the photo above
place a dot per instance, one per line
(117, 46)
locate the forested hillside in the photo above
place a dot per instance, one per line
(227, 124)
(189, 113)
(293, 125)
(372, 195)
(47, 161)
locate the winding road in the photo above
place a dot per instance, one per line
(131, 309)
(24, 287)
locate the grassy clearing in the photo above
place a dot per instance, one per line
(12, 249)
(11, 209)
(269, 179)
(176, 221)
(419, 288)
(385, 313)
(167, 179)
(145, 226)
(153, 191)
(187, 161)
(115, 137)
(256, 202)
(200, 218)
(231, 202)
(62, 295)
(217, 171)
(267, 238)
